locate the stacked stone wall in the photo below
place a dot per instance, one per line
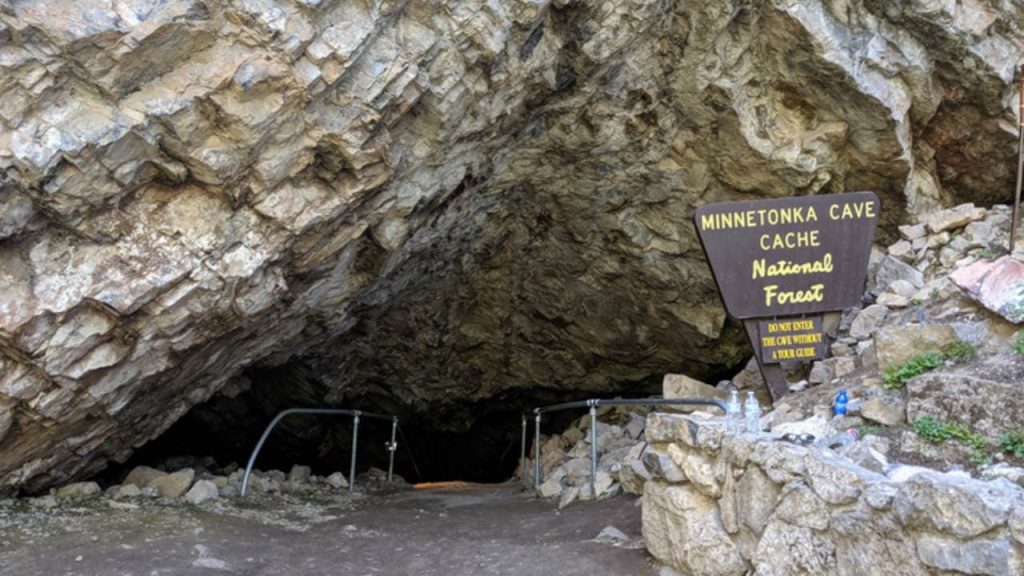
(723, 504)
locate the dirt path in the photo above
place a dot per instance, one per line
(472, 531)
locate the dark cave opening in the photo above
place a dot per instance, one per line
(470, 441)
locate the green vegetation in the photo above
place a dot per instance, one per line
(934, 294)
(1012, 443)
(986, 254)
(897, 376)
(916, 302)
(959, 352)
(866, 429)
(936, 431)
(1018, 344)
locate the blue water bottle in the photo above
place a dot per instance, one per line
(839, 408)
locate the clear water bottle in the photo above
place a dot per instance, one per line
(752, 411)
(732, 413)
(839, 407)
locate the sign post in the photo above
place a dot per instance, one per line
(788, 267)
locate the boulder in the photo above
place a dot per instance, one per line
(550, 488)
(612, 535)
(202, 491)
(821, 372)
(990, 557)
(337, 480)
(891, 300)
(953, 218)
(635, 427)
(788, 549)
(961, 507)
(887, 412)
(897, 343)
(141, 476)
(299, 474)
(756, 498)
(124, 491)
(836, 480)
(892, 269)
(902, 250)
(800, 506)
(78, 491)
(868, 321)
(604, 485)
(698, 467)
(632, 475)
(682, 529)
(867, 543)
(682, 386)
(569, 495)
(173, 485)
(912, 231)
(998, 286)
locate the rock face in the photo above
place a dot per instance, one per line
(431, 203)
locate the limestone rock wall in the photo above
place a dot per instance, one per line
(734, 504)
(431, 201)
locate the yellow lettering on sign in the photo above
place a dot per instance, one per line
(758, 218)
(761, 268)
(772, 295)
(851, 210)
(790, 240)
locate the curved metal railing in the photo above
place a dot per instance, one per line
(356, 414)
(593, 403)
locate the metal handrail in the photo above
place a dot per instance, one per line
(593, 403)
(356, 414)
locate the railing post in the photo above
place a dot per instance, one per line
(593, 447)
(391, 449)
(355, 443)
(536, 444)
(522, 453)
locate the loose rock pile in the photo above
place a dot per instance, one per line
(565, 457)
(200, 484)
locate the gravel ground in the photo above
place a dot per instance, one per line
(452, 531)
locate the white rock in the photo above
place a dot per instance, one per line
(78, 491)
(337, 480)
(299, 474)
(868, 321)
(202, 491)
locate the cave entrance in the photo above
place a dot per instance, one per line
(471, 441)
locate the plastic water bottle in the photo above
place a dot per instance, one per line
(732, 413)
(752, 411)
(839, 407)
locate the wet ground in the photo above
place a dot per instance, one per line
(455, 531)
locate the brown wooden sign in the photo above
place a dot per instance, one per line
(791, 339)
(787, 256)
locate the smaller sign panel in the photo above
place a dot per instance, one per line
(791, 339)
